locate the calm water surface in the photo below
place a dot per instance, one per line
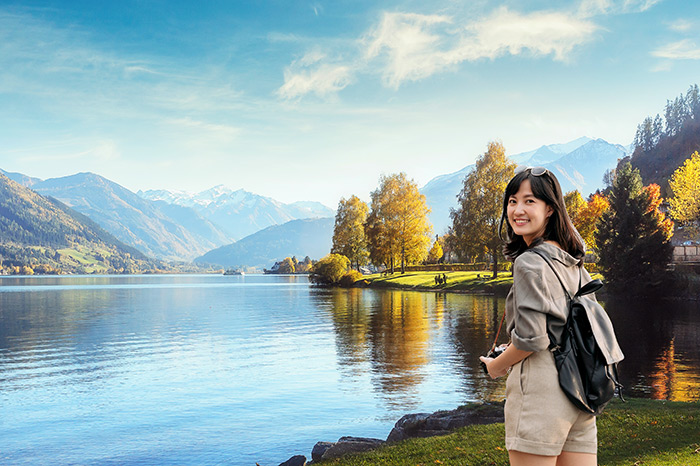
(231, 370)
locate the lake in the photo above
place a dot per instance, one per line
(233, 370)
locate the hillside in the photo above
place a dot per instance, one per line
(301, 238)
(38, 230)
(134, 220)
(658, 164)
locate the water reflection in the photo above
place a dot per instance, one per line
(661, 342)
(408, 340)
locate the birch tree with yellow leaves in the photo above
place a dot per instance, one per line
(475, 222)
(349, 231)
(685, 203)
(397, 226)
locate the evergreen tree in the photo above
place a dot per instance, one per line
(475, 222)
(633, 234)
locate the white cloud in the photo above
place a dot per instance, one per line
(540, 33)
(682, 25)
(218, 130)
(684, 49)
(589, 8)
(309, 75)
(410, 47)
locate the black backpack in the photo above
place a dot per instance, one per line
(584, 373)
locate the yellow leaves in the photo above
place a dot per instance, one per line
(397, 225)
(685, 184)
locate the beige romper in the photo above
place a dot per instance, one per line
(539, 418)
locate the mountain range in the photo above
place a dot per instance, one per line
(176, 225)
(239, 213)
(300, 238)
(578, 165)
(35, 229)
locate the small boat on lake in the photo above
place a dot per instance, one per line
(234, 272)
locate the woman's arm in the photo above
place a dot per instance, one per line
(498, 367)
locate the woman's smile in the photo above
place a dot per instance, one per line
(527, 214)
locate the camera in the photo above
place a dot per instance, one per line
(494, 353)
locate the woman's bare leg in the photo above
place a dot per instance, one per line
(518, 458)
(569, 458)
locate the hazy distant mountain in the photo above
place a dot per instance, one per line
(39, 230)
(583, 168)
(579, 164)
(300, 238)
(549, 153)
(132, 219)
(24, 180)
(239, 213)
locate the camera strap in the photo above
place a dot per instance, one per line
(495, 340)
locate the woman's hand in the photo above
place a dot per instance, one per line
(494, 372)
(498, 367)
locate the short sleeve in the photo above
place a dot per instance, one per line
(532, 301)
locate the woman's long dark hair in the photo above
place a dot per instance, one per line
(559, 227)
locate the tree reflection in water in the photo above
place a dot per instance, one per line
(407, 344)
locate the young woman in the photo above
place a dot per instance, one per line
(542, 426)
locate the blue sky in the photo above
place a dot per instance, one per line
(315, 100)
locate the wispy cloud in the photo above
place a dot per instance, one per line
(589, 8)
(410, 47)
(681, 25)
(685, 49)
(311, 75)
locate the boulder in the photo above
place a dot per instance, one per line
(444, 422)
(319, 449)
(347, 445)
(298, 460)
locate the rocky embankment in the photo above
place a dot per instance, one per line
(419, 425)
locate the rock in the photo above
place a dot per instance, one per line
(443, 422)
(298, 460)
(319, 449)
(346, 445)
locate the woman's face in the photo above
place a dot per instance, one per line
(527, 215)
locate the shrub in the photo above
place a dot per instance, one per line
(350, 278)
(329, 270)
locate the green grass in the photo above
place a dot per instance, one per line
(466, 282)
(639, 432)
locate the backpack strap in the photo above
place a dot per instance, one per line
(551, 266)
(553, 343)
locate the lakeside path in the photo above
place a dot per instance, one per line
(457, 282)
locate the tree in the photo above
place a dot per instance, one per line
(397, 226)
(685, 185)
(330, 269)
(588, 218)
(575, 203)
(585, 214)
(435, 252)
(286, 266)
(633, 234)
(349, 230)
(475, 222)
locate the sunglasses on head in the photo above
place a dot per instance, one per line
(534, 171)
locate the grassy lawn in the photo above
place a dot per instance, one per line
(472, 282)
(456, 281)
(639, 432)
